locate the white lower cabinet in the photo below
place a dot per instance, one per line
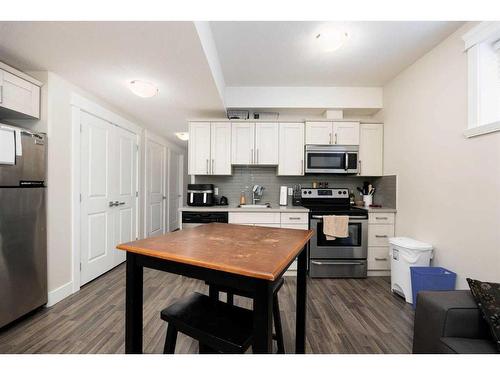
(380, 229)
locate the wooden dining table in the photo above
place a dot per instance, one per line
(247, 258)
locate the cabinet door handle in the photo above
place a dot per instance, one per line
(251, 156)
(257, 161)
(302, 166)
(294, 218)
(207, 168)
(376, 258)
(381, 218)
(330, 138)
(213, 166)
(381, 236)
(1, 94)
(359, 162)
(335, 138)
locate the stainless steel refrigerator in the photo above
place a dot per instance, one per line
(23, 229)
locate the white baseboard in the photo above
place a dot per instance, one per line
(59, 294)
(379, 273)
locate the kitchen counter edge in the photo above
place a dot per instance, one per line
(237, 209)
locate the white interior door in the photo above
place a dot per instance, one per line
(126, 154)
(174, 192)
(155, 188)
(108, 181)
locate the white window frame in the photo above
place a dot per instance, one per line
(473, 38)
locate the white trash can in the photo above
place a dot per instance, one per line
(405, 253)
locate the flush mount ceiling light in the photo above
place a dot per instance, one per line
(331, 40)
(183, 136)
(143, 89)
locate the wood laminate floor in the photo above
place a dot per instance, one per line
(343, 316)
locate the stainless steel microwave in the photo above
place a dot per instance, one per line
(331, 159)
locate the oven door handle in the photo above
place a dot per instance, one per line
(336, 263)
(350, 217)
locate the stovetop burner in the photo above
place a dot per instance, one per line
(330, 201)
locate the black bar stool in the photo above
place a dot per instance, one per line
(219, 327)
(231, 292)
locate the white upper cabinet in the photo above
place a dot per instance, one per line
(243, 143)
(266, 143)
(371, 145)
(220, 150)
(291, 149)
(332, 133)
(19, 98)
(319, 133)
(209, 148)
(254, 143)
(345, 133)
(199, 148)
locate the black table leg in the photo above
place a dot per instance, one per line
(263, 318)
(133, 306)
(300, 327)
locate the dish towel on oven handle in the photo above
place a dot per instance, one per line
(336, 226)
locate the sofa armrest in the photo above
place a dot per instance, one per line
(445, 314)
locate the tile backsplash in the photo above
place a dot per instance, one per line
(243, 179)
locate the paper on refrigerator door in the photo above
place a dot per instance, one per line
(7, 147)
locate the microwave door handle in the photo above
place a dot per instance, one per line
(346, 161)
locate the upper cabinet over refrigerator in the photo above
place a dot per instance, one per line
(19, 94)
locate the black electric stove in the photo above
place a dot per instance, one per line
(341, 257)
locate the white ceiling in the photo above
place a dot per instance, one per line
(285, 53)
(102, 57)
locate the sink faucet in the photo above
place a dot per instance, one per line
(257, 191)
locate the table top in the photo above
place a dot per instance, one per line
(253, 251)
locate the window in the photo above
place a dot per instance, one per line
(482, 44)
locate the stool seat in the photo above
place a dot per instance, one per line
(223, 327)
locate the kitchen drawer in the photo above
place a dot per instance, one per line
(294, 226)
(378, 258)
(379, 234)
(254, 217)
(381, 218)
(337, 268)
(294, 218)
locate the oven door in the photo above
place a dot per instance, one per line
(352, 247)
(331, 159)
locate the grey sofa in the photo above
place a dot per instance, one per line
(450, 322)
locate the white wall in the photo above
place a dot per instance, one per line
(56, 120)
(448, 186)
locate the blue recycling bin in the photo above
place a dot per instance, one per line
(431, 278)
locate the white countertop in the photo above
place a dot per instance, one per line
(238, 209)
(273, 209)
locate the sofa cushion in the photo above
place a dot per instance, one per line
(487, 296)
(460, 345)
